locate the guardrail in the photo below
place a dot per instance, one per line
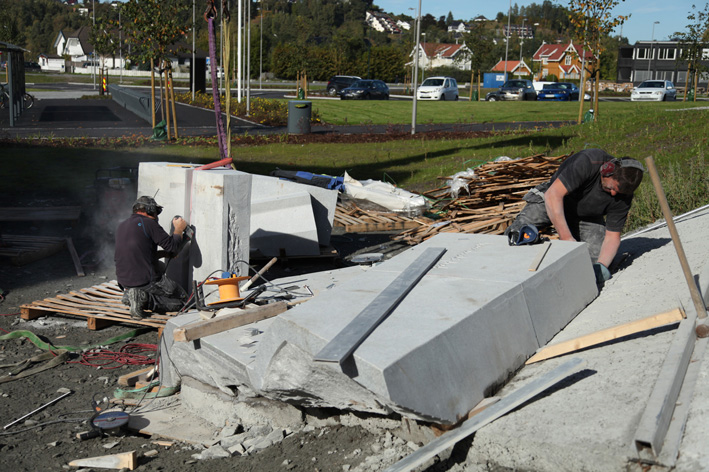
(134, 100)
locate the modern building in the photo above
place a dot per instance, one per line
(647, 60)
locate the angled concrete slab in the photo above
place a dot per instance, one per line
(283, 225)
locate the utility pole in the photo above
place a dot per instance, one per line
(507, 37)
(416, 68)
(652, 43)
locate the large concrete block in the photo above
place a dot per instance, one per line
(284, 225)
(464, 328)
(324, 201)
(221, 215)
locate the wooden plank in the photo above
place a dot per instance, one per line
(608, 334)
(225, 322)
(346, 341)
(95, 324)
(370, 227)
(540, 256)
(75, 257)
(130, 379)
(505, 405)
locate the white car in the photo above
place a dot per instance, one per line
(654, 90)
(438, 88)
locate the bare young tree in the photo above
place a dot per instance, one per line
(692, 43)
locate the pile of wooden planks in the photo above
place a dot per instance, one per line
(20, 250)
(489, 201)
(358, 220)
(100, 305)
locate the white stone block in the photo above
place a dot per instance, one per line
(284, 225)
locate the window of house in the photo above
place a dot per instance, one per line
(642, 53)
(666, 54)
(705, 54)
(567, 60)
(545, 61)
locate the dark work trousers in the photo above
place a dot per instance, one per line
(535, 213)
(164, 295)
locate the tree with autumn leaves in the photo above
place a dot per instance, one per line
(591, 21)
(153, 27)
(692, 43)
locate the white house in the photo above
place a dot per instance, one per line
(382, 23)
(458, 27)
(432, 55)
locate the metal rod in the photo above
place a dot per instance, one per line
(38, 409)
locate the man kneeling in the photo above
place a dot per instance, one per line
(139, 271)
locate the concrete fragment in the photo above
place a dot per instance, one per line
(214, 452)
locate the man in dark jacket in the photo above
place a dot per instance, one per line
(139, 271)
(587, 199)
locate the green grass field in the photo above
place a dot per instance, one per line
(674, 133)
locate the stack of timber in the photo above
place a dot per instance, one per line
(101, 305)
(358, 220)
(20, 250)
(490, 200)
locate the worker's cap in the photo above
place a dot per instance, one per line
(148, 204)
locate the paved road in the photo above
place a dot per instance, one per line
(64, 114)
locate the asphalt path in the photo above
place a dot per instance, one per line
(62, 113)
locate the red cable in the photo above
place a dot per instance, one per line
(5, 330)
(127, 355)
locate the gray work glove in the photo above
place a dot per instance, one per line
(602, 273)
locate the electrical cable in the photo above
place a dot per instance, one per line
(128, 354)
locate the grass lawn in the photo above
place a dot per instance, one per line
(674, 133)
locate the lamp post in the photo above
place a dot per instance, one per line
(192, 68)
(416, 69)
(507, 37)
(260, 47)
(120, 41)
(521, 42)
(93, 53)
(652, 43)
(423, 67)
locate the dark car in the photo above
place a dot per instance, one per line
(560, 91)
(515, 89)
(339, 82)
(366, 90)
(32, 67)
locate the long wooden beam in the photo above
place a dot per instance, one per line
(200, 329)
(608, 334)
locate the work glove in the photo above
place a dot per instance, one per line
(602, 273)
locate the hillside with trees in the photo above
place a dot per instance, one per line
(320, 37)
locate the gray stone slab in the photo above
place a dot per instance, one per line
(464, 328)
(221, 215)
(324, 201)
(284, 225)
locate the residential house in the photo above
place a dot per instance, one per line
(433, 55)
(51, 62)
(656, 60)
(514, 68)
(480, 18)
(404, 25)
(458, 27)
(562, 60)
(79, 50)
(382, 22)
(524, 32)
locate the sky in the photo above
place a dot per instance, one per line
(671, 14)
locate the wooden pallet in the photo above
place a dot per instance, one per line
(100, 305)
(356, 220)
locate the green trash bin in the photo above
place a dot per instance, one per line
(588, 116)
(690, 95)
(474, 96)
(299, 113)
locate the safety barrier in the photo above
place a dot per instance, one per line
(134, 100)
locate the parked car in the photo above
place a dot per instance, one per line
(32, 67)
(438, 88)
(560, 91)
(516, 89)
(654, 90)
(366, 90)
(339, 82)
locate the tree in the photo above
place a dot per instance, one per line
(449, 19)
(591, 21)
(693, 41)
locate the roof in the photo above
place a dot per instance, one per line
(443, 49)
(511, 66)
(555, 52)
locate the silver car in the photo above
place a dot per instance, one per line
(654, 90)
(438, 88)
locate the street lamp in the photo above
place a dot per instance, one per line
(260, 47)
(93, 53)
(521, 42)
(416, 69)
(423, 68)
(652, 42)
(507, 37)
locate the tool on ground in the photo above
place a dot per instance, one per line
(527, 234)
(259, 274)
(104, 422)
(64, 392)
(228, 298)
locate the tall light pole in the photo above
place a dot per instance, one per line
(260, 48)
(521, 42)
(423, 67)
(120, 40)
(652, 43)
(416, 69)
(507, 37)
(93, 53)
(192, 68)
